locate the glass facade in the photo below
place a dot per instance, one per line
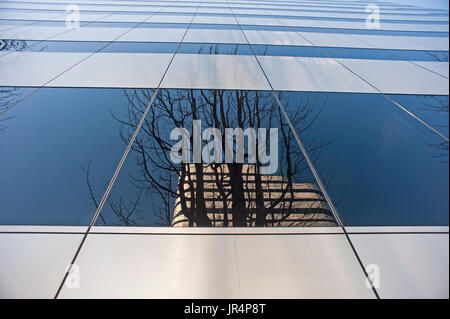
(223, 114)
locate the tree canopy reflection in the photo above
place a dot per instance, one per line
(218, 194)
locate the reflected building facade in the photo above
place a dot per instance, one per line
(268, 201)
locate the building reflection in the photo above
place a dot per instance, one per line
(269, 201)
(231, 194)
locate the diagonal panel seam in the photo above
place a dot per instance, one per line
(313, 170)
(119, 166)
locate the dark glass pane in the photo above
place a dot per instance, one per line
(383, 54)
(433, 109)
(227, 186)
(49, 143)
(215, 48)
(382, 167)
(142, 47)
(345, 31)
(50, 46)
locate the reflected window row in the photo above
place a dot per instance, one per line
(223, 48)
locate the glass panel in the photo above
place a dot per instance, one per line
(50, 46)
(382, 167)
(215, 36)
(186, 169)
(214, 48)
(14, 45)
(344, 31)
(48, 144)
(377, 54)
(433, 109)
(142, 47)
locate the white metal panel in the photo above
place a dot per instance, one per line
(136, 70)
(126, 17)
(404, 42)
(96, 7)
(354, 15)
(33, 32)
(91, 34)
(311, 74)
(162, 266)
(35, 68)
(214, 36)
(433, 43)
(173, 8)
(388, 26)
(275, 37)
(9, 14)
(41, 16)
(259, 21)
(212, 10)
(215, 72)
(161, 262)
(153, 35)
(335, 40)
(7, 26)
(59, 16)
(33, 265)
(400, 77)
(215, 19)
(439, 68)
(218, 266)
(60, 5)
(410, 265)
(256, 11)
(308, 266)
(300, 23)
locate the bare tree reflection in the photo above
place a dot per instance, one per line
(8, 97)
(438, 105)
(124, 212)
(218, 194)
(439, 56)
(13, 45)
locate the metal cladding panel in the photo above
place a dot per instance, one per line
(35, 68)
(311, 74)
(130, 70)
(149, 262)
(215, 72)
(410, 265)
(218, 266)
(32, 265)
(63, 90)
(400, 77)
